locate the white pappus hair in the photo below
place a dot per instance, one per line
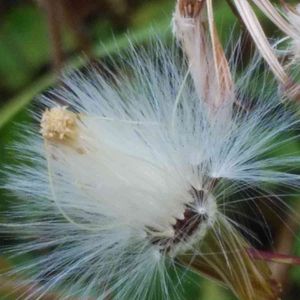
(133, 176)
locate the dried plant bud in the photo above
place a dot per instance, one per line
(256, 284)
(194, 28)
(59, 124)
(190, 8)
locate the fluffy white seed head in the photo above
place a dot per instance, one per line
(152, 182)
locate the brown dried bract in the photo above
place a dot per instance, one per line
(190, 8)
(59, 124)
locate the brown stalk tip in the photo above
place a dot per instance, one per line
(190, 8)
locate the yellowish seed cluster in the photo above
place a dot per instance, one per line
(59, 124)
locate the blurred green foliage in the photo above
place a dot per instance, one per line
(23, 46)
(25, 72)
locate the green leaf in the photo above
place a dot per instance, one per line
(115, 45)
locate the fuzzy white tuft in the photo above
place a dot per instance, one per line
(146, 179)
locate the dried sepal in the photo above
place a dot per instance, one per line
(223, 73)
(278, 19)
(223, 256)
(190, 8)
(255, 30)
(194, 28)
